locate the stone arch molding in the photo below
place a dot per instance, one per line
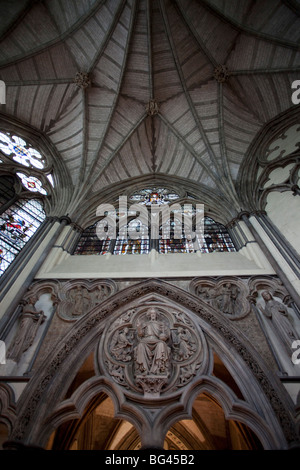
(175, 308)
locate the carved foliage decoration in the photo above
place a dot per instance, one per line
(152, 350)
(227, 295)
(77, 298)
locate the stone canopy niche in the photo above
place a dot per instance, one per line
(151, 350)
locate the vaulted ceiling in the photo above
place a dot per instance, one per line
(166, 53)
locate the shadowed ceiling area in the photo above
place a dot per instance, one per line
(168, 88)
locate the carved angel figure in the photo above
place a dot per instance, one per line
(228, 298)
(121, 345)
(184, 346)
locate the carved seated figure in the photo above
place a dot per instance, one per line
(152, 353)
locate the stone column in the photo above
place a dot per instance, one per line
(277, 250)
(245, 241)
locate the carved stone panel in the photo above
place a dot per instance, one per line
(77, 298)
(227, 295)
(150, 350)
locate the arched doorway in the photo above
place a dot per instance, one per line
(98, 429)
(210, 430)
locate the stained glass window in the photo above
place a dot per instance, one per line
(179, 234)
(216, 237)
(90, 244)
(32, 183)
(173, 238)
(137, 244)
(20, 151)
(17, 225)
(154, 196)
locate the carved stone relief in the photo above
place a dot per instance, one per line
(227, 295)
(29, 322)
(152, 108)
(280, 321)
(222, 73)
(275, 307)
(77, 298)
(151, 350)
(116, 362)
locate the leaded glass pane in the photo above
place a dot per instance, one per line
(32, 183)
(173, 238)
(216, 237)
(20, 151)
(137, 243)
(90, 244)
(17, 225)
(154, 196)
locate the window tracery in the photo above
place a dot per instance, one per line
(32, 183)
(20, 151)
(16, 149)
(90, 244)
(155, 196)
(216, 237)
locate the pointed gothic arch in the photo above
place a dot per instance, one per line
(42, 405)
